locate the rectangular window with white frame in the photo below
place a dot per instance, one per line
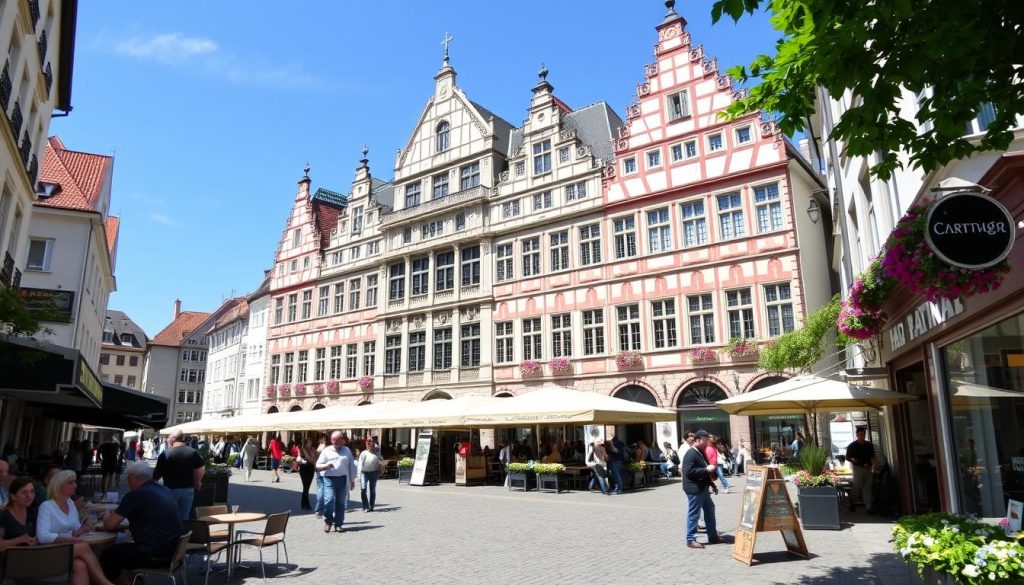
(563, 154)
(412, 195)
(293, 307)
(357, 220)
(576, 191)
(659, 230)
(663, 315)
(470, 268)
(417, 351)
(542, 157)
(504, 342)
(742, 135)
(740, 309)
(420, 276)
(396, 282)
(730, 215)
(369, 358)
(371, 290)
(444, 277)
(439, 184)
(335, 363)
(351, 360)
(628, 320)
(676, 152)
(625, 237)
(778, 301)
(443, 348)
(695, 228)
(678, 105)
(40, 254)
(531, 256)
(353, 294)
(715, 142)
(393, 354)
(629, 166)
(532, 342)
(542, 201)
(561, 335)
(593, 332)
(690, 149)
(510, 209)
(590, 244)
(469, 337)
(505, 259)
(559, 251)
(469, 176)
(653, 158)
(320, 364)
(303, 369)
(768, 206)
(307, 304)
(323, 304)
(701, 310)
(339, 297)
(355, 252)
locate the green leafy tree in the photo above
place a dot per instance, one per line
(15, 317)
(801, 348)
(969, 53)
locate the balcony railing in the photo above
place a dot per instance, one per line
(16, 120)
(48, 76)
(6, 86)
(16, 279)
(452, 200)
(25, 149)
(33, 8)
(7, 271)
(33, 169)
(41, 47)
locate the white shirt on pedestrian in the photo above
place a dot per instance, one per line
(343, 462)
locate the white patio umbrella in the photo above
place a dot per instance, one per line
(811, 394)
(967, 395)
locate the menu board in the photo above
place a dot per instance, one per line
(766, 507)
(419, 468)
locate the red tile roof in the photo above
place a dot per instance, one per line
(186, 323)
(79, 174)
(239, 311)
(326, 221)
(112, 226)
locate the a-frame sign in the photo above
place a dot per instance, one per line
(766, 507)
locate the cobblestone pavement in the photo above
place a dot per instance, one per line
(450, 534)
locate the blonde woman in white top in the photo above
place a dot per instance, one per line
(57, 522)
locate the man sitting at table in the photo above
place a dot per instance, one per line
(152, 513)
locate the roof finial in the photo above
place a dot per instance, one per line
(671, 5)
(445, 41)
(305, 170)
(364, 162)
(543, 73)
(366, 150)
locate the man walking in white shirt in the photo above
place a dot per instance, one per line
(338, 468)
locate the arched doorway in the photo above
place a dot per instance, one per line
(773, 432)
(318, 406)
(503, 395)
(295, 408)
(438, 395)
(698, 411)
(632, 433)
(272, 410)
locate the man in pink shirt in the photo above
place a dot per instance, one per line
(711, 454)
(276, 453)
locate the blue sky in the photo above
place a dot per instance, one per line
(212, 108)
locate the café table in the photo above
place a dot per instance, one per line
(231, 519)
(99, 539)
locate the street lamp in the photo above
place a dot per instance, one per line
(813, 211)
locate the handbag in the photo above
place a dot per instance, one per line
(601, 471)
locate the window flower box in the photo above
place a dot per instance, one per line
(299, 389)
(366, 383)
(629, 359)
(271, 391)
(560, 365)
(332, 386)
(284, 391)
(741, 349)
(529, 368)
(703, 355)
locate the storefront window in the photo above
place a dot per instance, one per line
(985, 374)
(698, 411)
(773, 435)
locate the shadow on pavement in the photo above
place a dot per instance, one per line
(884, 569)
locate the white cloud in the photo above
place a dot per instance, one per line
(166, 48)
(161, 218)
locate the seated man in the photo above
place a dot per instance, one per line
(152, 514)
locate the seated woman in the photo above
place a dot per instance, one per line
(553, 456)
(17, 522)
(57, 522)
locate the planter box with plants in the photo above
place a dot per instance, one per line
(816, 490)
(944, 549)
(215, 485)
(405, 469)
(519, 477)
(550, 478)
(633, 476)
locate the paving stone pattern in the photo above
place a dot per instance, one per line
(450, 534)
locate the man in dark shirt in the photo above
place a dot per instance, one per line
(182, 469)
(616, 454)
(698, 484)
(109, 464)
(152, 514)
(861, 454)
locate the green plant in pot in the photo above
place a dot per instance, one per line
(519, 467)
(233, 459)
(406, 463)
(816, 489)
(547, 468)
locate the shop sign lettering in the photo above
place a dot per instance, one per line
(970, 230)
(924, 318)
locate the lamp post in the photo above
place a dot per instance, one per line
(813, 211)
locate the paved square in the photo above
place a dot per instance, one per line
(450, 534)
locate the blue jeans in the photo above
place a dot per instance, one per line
(335, 499)
(615, 469)
(369, 481)
(184, 498)
(319, 507)
(721, 476)
(601, 482)
(696, 503)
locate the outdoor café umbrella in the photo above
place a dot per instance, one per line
(967, 395)
(811, 394)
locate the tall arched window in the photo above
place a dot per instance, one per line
(441, 136)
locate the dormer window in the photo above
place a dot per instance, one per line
(357, 220)
(296, 238)
(441, 136)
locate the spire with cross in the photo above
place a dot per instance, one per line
(445, 42)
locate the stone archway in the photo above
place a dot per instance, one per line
(318, 406)
(772, 432)
(437, 395)
(635, 393)
(295, 408)
(631, 433)
(272, 410)
(504, 395)
(698, 411)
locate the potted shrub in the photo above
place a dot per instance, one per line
(738, 349)
(633, 475)
(549, 477)
(702, 354)
(519, 475)
(560, 365)
(816, 490)
(629, 359)
(405, 465)
(286, 463)
(529, 368)
(944, 549)
(217, 476)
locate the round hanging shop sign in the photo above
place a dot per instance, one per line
(969, 230)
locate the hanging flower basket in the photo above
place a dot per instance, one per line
(910, 261)
(560, 365)
(366, 382)
(300, 389)
(271, 391)
(332, 386)
(740, 348)
(703, 354)
(629, 359)
(871, 289)
(529, 368)
(858, 324)
(284, 390)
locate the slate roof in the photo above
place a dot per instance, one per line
(596, 125)
(120, 323)
(383, 193)
(79, 174)
(502, 128)
(175, 333)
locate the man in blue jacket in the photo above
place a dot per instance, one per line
(698, 483)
